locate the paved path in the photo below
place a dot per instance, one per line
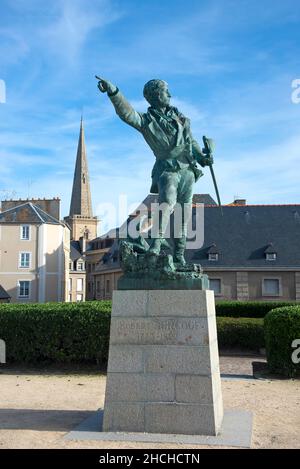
(38, 407)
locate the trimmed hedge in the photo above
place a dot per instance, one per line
(56, 332)
(245, 333)
(79, 332)
(282, 327)
(247, 309)
(241, 309)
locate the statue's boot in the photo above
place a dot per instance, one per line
(179, 248)
(155, 246)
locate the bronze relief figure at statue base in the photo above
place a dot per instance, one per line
(148, 271)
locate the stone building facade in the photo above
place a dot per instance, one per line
(34, 251)
(96, 250)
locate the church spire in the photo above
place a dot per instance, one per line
(81, 202)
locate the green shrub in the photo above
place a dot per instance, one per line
(79, 332)
(247, 309)
(245, 333)
(282, 327)
(57, 332)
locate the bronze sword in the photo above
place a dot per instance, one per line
(208, 149)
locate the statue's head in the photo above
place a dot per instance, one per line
(156, 93)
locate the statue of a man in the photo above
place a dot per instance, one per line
(177, 153)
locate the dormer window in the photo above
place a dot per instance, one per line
(213, 253)
(270, 253)
(213, 256)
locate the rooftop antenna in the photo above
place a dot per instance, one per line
(29, 184)
(8, 193)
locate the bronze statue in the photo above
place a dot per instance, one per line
(167, 132)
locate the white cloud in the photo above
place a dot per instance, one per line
(40, 122)
(189, 110)
(77, 19)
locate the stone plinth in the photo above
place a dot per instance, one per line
(163, 369)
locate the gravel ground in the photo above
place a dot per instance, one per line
(38, 407)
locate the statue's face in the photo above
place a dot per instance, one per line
(164, 95)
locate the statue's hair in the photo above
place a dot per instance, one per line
(152, 88)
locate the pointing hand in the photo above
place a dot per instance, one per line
(106, 86)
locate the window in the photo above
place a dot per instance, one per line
(25, 232)
(213, 256)
(24, 262)
(271, 287)
(80, 266)
(79, 297)
(215, 285)
(115, 256)
(79, 284)
(107, 286)
(98, 286)
(70, 284)
(70, 297)
(71, 266)
(271, 256)
(24, 289)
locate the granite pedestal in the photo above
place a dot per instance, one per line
(163, 369)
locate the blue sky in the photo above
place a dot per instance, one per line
(229, 65)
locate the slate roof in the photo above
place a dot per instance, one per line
(3, 294)
(110, 260)
(27, 213)
(205, 199)
(244, 233)
(242, 236)
(270, 249)
(75, 250)
(213, 249)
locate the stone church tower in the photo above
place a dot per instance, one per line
(81, 220)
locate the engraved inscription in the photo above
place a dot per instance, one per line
(168, 324)
(159, 331)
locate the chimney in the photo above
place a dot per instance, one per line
(50, 206)
(239, 202)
